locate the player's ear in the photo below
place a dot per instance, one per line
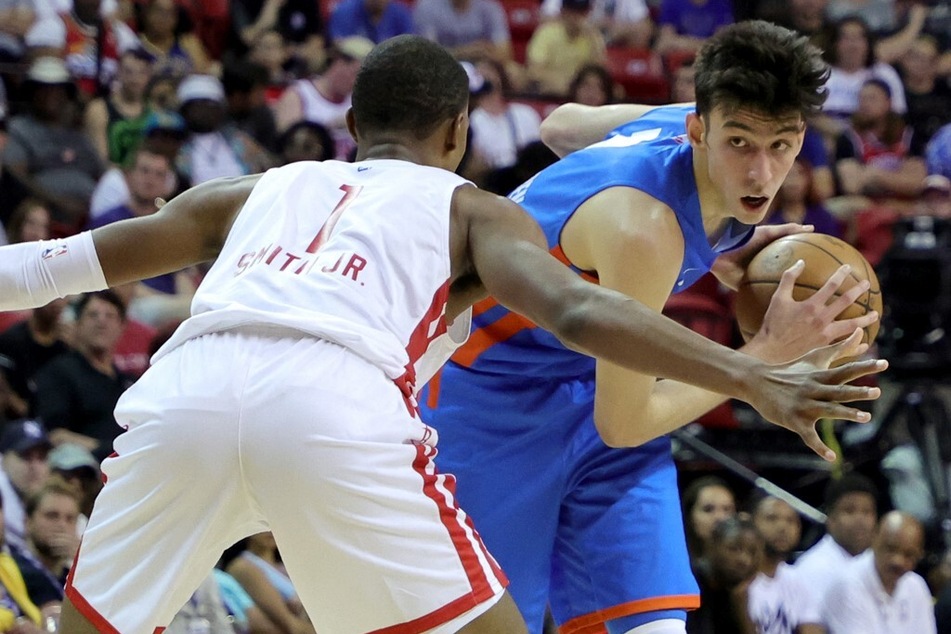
(351, 124)
(456, 132)
(695, 129)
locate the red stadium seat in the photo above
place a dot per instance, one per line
(641, 73)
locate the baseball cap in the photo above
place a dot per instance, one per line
(200, 87)
(70, 456)
(49, 70)
(23, 435)
(354, 47)
(169, 122)
(937, 183)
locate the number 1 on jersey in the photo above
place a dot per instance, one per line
(349, 193)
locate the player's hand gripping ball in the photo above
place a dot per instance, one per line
(823, 254)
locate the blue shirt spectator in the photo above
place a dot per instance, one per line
(696, 18)
(376, 20)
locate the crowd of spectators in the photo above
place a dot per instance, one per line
(110, 107)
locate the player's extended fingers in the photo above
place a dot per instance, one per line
(846, 299)
(848, 372)
(832, 285)
(844, 327)
(811, 438)
(787, 281)
(848, 347)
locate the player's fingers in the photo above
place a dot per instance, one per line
(811, 438)
(849, 297)
(844, 327)
(787, 281)
(832, 285)
(846, 393)
(848, 372)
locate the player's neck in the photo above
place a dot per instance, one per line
(713, 208)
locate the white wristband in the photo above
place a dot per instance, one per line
(33, 274)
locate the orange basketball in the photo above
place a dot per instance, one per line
(823, 254)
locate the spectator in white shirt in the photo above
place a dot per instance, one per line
(878, 592)
(851, 506)
(779, 602)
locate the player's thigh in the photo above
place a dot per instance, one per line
(621, 542)
(172, 499)
(369, 530)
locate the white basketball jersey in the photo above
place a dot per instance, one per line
(355, 253)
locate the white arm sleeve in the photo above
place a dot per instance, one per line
(33, 274)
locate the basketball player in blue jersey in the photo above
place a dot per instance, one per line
(562, 460)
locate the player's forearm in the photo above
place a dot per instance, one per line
(32, 274)
(573, 126)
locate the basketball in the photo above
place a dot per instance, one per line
(822, 254)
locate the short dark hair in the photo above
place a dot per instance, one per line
(759, 66)
(106, 296)
(318, 130)
(409, 84)
(849, 483)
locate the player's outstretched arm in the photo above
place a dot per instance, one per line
(188, 230)
(507, 251)
(573, 126)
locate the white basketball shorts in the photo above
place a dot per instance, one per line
(245, 431)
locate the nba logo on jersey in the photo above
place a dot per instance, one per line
(55, 251)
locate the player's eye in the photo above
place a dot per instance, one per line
(737, 142)
(782, 146)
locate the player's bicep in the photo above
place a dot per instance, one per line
(190, 229)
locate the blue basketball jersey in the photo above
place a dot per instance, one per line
(650, 154)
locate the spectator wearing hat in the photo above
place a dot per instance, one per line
(79, 468)
(558, 49)
(125, 103)
(163, 133)
(77, 392)
(25, 447)
(325, 98)
(214, 147)
(376, 20)
(51, 159)
(875, 155)
(89, 42)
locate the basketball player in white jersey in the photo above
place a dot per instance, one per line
(286, 402)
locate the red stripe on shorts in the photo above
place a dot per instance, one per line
(86, 610)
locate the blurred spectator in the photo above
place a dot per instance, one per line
(305, 141)
(376, 20)
(77, 391)
(469, 29)
(214, 148)
(18, 614)
(500, 128)
(684, 25)
(724, 573)
(796, 202)
(25, 446)
(936, 197)
(298, 21)
(259, 570)
(852, 60)
(16, 18)
(815, 155)
(851, 506)
(89, 42)
(805, 16)
(592, 85)
(247, 617)
(80, 470)
(879, 15)
(30, 221)
(531, 159)
(270, 53)
(780, 602)
(559, 48)
(125, 103)
(938, 152)
(624, 23)
(325, 98)
(164, 31)
(203, 613)
(31, 344)
(683, 88)
(706, 502)
(874, 155)
(245, 84)
(147, 178)
(879, 592)
(52, 541)
(163, 134)
(52, 160)
(928, 97)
